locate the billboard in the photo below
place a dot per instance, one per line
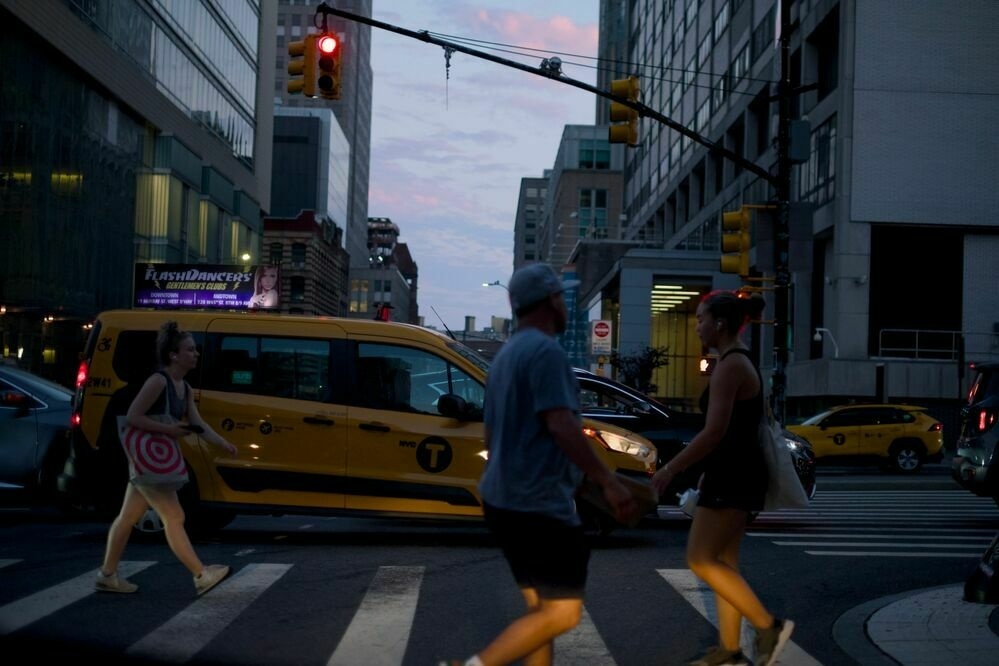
(206, 286)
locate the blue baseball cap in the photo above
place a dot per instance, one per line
(535, 282)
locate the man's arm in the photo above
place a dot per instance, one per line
(565, 429)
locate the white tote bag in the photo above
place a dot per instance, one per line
(784, 489)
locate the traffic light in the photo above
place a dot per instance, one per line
(302, 66)
(328, 80)
(627, 130)
(735, 242)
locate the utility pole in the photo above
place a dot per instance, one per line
(782, 273)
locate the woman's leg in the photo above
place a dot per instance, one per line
(166, 504)
(132, 508)
(729, 619)
(714, 536)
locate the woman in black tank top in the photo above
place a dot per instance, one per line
(734, 483)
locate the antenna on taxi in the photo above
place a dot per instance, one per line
(444, 325)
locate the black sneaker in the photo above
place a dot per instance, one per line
(769, 642)
(719, 656)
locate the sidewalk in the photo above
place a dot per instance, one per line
(925, 627)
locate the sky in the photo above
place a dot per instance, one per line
(448, 152)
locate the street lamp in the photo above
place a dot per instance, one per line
(818, 338)
(495, 283)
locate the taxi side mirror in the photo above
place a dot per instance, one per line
(452, 406)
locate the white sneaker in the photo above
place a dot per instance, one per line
(114, 583)
(210, 577)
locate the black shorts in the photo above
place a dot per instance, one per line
(543, 553)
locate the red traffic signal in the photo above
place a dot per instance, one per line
(328, 79)
(327, 44)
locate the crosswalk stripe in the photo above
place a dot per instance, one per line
(583, 646)
(7, 563)
(804, 535)
(699, 595)
(863, 544)
(379, 632)
(183, 635)
(23, 612)
(886, 553)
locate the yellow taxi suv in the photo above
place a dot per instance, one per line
(336, 416)
(904, 436)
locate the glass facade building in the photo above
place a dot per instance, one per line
(130, 131)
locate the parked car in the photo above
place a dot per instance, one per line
(607, 400)
(904, 436)
(975, 465)
(34, 422)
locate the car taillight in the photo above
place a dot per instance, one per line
(936, 427)
(81, 381)
(81, 374)
(986, 419)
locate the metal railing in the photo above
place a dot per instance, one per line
(936, 345)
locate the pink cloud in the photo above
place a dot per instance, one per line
(554, 33)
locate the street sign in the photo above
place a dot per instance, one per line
(600, 337)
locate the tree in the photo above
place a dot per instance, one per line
(636, 369)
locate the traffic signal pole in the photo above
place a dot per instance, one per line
(782, 273)
(781, 181)
(553, 71)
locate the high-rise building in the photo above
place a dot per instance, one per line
(897, 170)
(129, 131)
(297, 18)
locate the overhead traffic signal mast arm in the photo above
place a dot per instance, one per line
(550, 73)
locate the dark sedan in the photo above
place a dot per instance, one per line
(34, 420)
(670, 430)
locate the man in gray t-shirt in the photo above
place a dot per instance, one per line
(538, 455)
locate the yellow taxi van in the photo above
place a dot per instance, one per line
(329, 415)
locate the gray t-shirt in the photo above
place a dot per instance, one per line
(527, 471)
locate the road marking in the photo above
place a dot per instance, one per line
(865, 544)
(185, 634)
(699, 595)
(583, 646)
(935, 624)
(379, 632)
(7, 563)
(983, 537)
(886, 553)
(23, 612)
(245, 551)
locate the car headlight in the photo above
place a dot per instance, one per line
(646, 454)
(793, 445)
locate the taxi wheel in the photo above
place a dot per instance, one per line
(907, 456)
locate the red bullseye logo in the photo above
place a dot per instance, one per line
(153, 452)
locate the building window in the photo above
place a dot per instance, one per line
(763, 35)
(740, 66)
(817, 176)
(297, 289)
(594, 154)
(358, 295)
(298, 255)
(704, 50)
(276, 254)
(702, 116)
(689, 73)
(721, 21)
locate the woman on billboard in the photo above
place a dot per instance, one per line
(266, 288)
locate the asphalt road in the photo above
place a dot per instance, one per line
(349, 591)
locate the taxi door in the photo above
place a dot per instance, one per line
(403, 457)
(837, 435)
(269, 389)
(881, 427)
